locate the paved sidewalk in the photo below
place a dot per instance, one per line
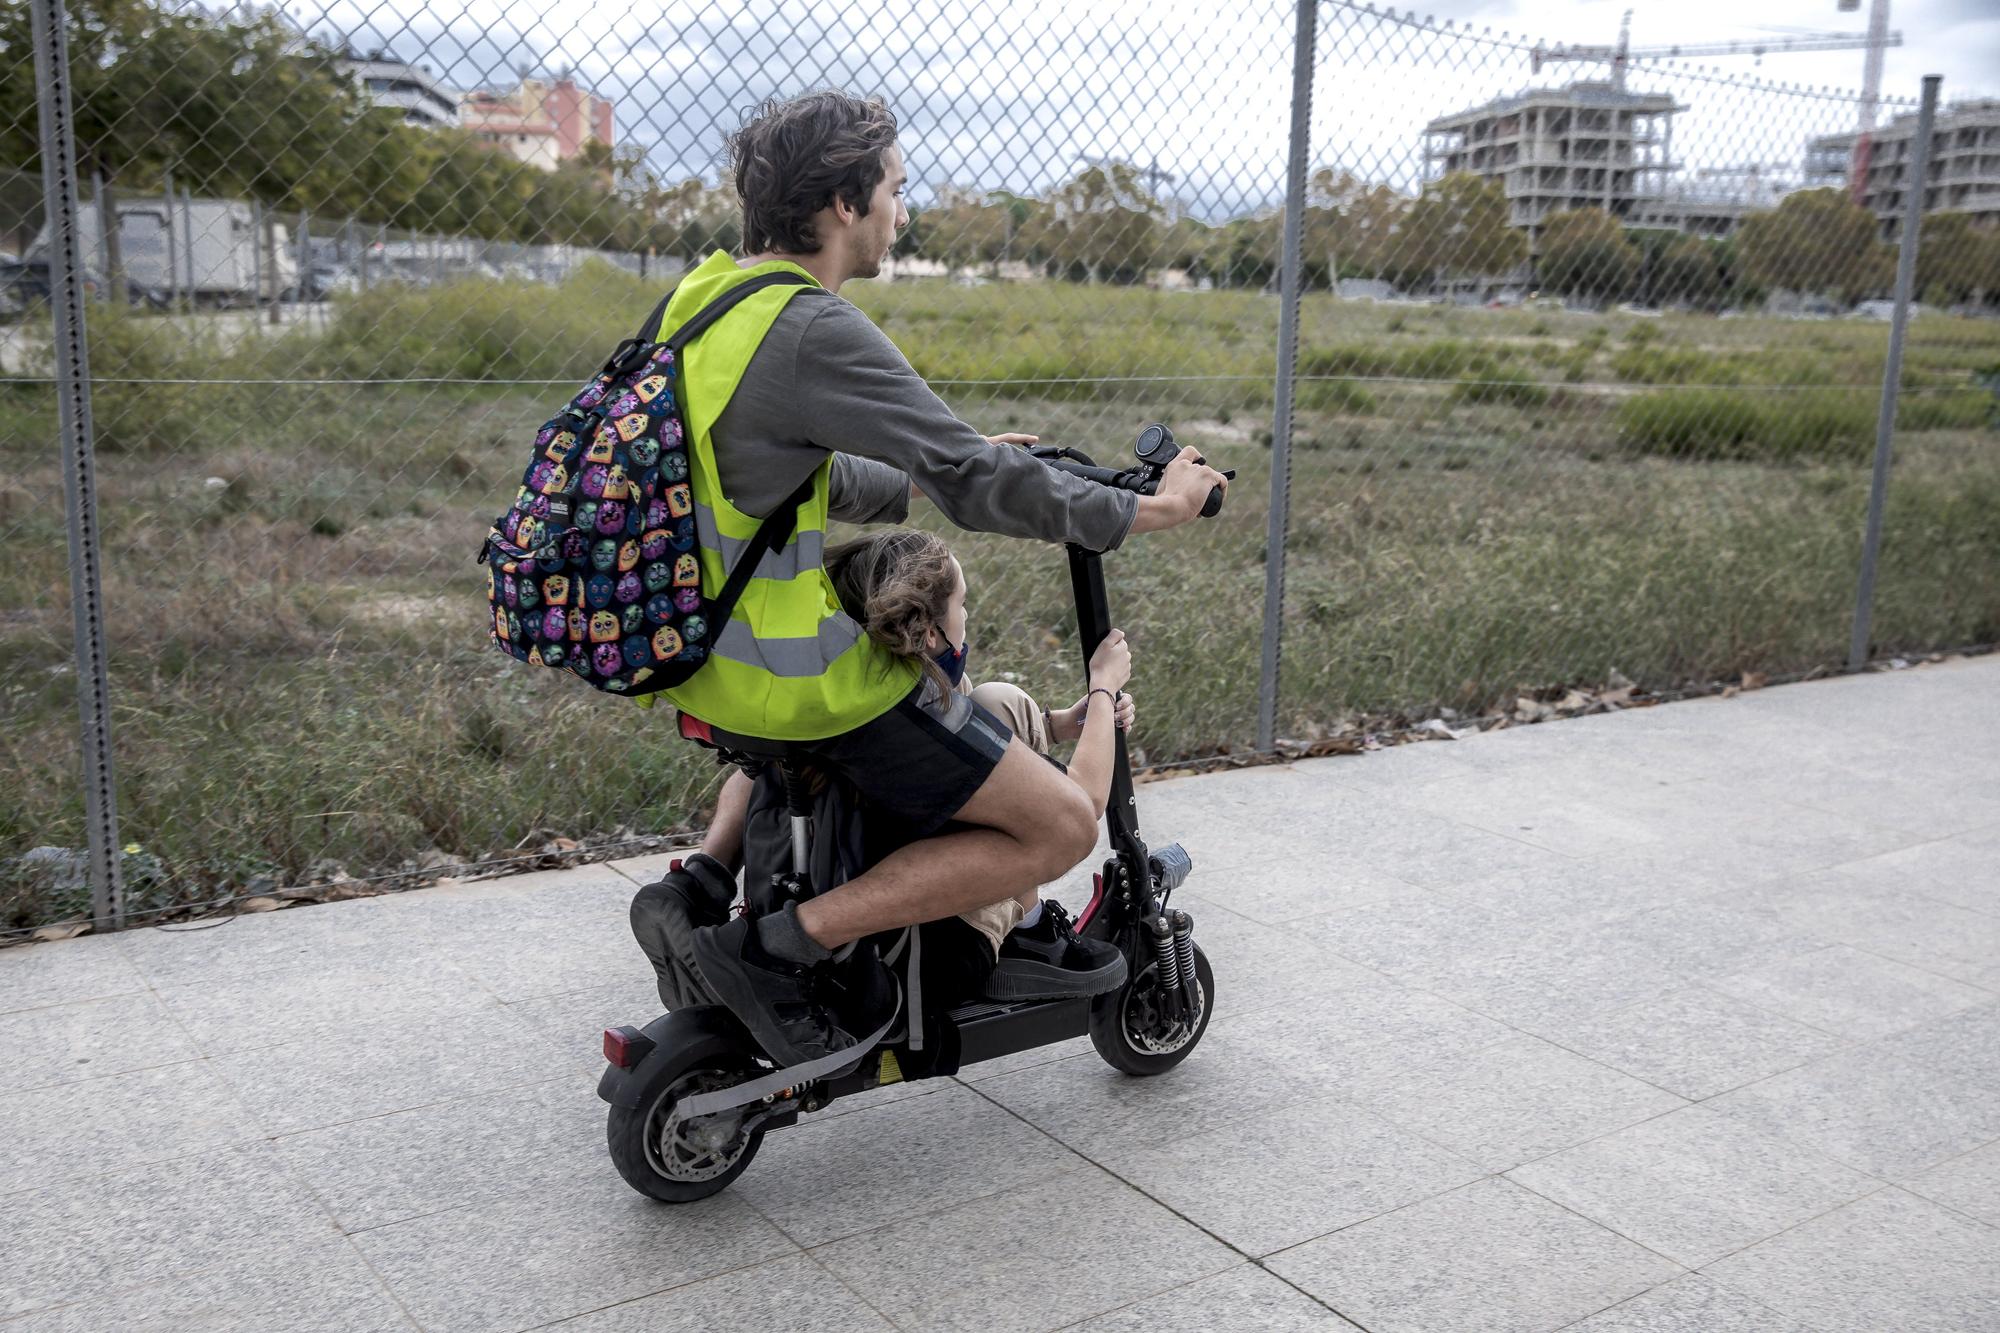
(1680, 1019)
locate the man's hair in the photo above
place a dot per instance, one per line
(793, 158)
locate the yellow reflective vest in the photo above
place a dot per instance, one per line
(790, 664)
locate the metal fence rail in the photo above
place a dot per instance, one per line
(1534, 383)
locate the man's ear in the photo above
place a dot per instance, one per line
(843, 211)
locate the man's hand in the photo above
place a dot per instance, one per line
(1183, 490)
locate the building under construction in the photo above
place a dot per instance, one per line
(1587, 145)
(1964, 167)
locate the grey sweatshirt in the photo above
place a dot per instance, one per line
(826, 380)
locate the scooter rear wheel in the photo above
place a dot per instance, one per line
(666, 1156)
(1129, 1029)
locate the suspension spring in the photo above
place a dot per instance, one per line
(1165, 953)
(1183, 925)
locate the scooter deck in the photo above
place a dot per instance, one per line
(989, 1029)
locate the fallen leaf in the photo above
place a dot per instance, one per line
(259, 904)
(1755, 680)
(1617, 698)
(60, 930)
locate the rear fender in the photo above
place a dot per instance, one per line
(679, 1039)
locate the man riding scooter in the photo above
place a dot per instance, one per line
(795, 383)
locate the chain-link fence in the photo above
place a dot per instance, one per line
(1571, 399)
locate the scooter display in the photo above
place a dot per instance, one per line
(691, 1093)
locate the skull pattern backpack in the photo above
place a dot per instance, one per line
(593, 569)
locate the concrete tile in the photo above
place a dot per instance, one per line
(1850, 993)
(1965, 1045)
(1907, 927)
(89, 967)
(1691, 1304)
(1891, 1260)
(323, 1287)
(1539, 978)
(1488, 1258)
(88, 1039)
(1258, 966)
(84, 1129)
(1969, 1184)
(247, 1011)
(1512, 1101)
(357, 932)
(1695, 1042)
(818, 1182)
(974, 1267)
(1693, 1185)
(1283, 1177)
(533, 1260)
(1870, 1109)
(1418, 940)
(1708, 935)
(1962, 870)
(143, 1225)
(574, 1021)
(1273, 892)
(373, 1068)
(1581, 892)
(1245, 1299)
(554, 939)
(785, 1293)
(519, 1143)
(1895, 795)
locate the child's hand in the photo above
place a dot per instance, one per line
(1111, 664)
(1127, 712)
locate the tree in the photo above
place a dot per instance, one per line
(1584, 252)
(1352, 228)
(1102, 222)
(1956, 261)
(1686, 270)
(1458, 227)
(964, 228)
(1814, 241)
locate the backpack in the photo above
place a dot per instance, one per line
(593, 569)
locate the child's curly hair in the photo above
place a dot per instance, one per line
(897, 585)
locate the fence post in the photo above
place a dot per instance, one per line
(1289, 281)
(187, 245)
(86, 588)
(171, 234)
(256, 263)
(1892, 370)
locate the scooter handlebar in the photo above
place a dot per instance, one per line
(1141, 480)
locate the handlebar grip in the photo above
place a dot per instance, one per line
(1213, 505)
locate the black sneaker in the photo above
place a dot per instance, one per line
(1049, 961)
(796, 1013)
(665, 916)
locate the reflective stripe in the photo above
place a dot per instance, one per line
(809, 656)
(805, 550)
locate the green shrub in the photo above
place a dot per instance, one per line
(1707, 423)
(1966, 410)
(1645, 364)
(1491, 388)
(1335, 396)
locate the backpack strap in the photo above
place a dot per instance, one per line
(773, 533)
(625, 357)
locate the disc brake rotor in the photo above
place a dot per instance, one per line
(1147, 1028)
(701, 1148)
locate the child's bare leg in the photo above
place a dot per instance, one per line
(724, 839)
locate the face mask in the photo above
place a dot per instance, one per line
(952, 661)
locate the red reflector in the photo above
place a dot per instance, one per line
(621, 1047)
(674, 864)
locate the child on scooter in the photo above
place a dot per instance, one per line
(909, 594)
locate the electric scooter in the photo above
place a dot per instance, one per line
(691, 1093)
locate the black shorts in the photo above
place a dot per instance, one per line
(922, 760)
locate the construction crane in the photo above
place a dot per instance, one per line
(1879, 38)
(1619, 56)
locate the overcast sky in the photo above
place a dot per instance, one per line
(1017, 93)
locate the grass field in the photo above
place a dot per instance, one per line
(1481, 502)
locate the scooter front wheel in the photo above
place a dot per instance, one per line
(1134, 1030)
(663, 1153)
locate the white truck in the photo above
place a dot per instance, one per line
(206, 249)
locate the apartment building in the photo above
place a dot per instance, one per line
(1586, 145)
(1964, 167)
(410, 89)
(542, 122)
